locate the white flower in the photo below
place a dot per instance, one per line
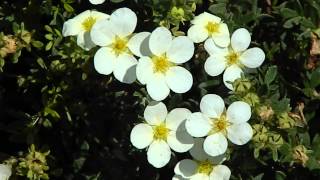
(158, 66)
(81, 26)
(115, 54)
(233, 58)
(160, 132)
(203, 167)
(5, 172)
(97, 1)
(207, 25)
(217, 124)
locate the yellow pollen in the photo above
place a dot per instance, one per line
(205, 167)
(212, 27)
(119, 45)
(161, 64)
(160, 132)
(232, 58)
(220, 125)
(88, 23)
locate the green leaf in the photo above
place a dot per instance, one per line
(315, 78)
(270, 75)
(288, 13)
(49, 45)
(37, 44)
(116, 1)
(68, 8)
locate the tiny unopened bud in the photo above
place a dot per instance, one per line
(241, 85)
(10, 46)
(300, 155)
(275, 140)
(260, 135)
(265, 113)
(285, 121)
(252, 99)
(177, 13)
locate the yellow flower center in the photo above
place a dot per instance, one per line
(161, 64)
(232, 58)
(160, 132)
(205, 167)
(212, 27)
(88, 23)
(220, 125)
(119, 45)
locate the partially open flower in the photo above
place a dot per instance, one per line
(202, 167)
(232, 59)
(161, 132)
(81, 26)
(205, 26)
(217, 124)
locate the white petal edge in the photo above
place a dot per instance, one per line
(231, 74)
(252, 58)
(157, 87)
(71, 28)
(220, 172)
(238, 112)
(215, 144)
(198, 125)
(160, 41)
(95, 2)
(159, 153)
(125, 68)
(176, 118)
(240, 39)
(186, 168)
(139, 44)
(197, 33)
(141, 135)
(101, 33)
(84, 41)
(179, 79)
(181, 50)
(239, 134)
(124, 20)
(155, 113)
(104, 61)
(213, 49)
(180, 141)
(212, 105)
(144, 70)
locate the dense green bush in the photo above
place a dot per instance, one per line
(60, 119)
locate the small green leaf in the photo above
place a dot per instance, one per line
(270, 75)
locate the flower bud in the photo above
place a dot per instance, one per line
(285, 121)
(251, 98)
(300, 155)
(275, 140)
(241, 85)
(265, 112)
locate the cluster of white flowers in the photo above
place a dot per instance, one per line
(154, 59)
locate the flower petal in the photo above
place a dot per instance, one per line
(157, 87)
(213, 49)
(204, 18)
(144, 70)
(240, 39)
(176, 118)
(139, 44)
(159, 153)
(197, 33)
(5, 171)
(141, 135)
(220, 172)
(252, 58)
(222, 38)
(155, 113)
(231, 74)
(200, 176)
(178, 177)
(186, 168)
(239, 134)
(125, 68)
(180, 141)
(84, 41)
(197, 151)
(215, 144)
(179, 79)
(99, 15)
(71, 28)
(215, 65)
(212, 105)
(124, 20)
(181, 50)
(238, 112)
(96, 1)
(101, 33)
(160, 41)
(104, 61)
(198, 125)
